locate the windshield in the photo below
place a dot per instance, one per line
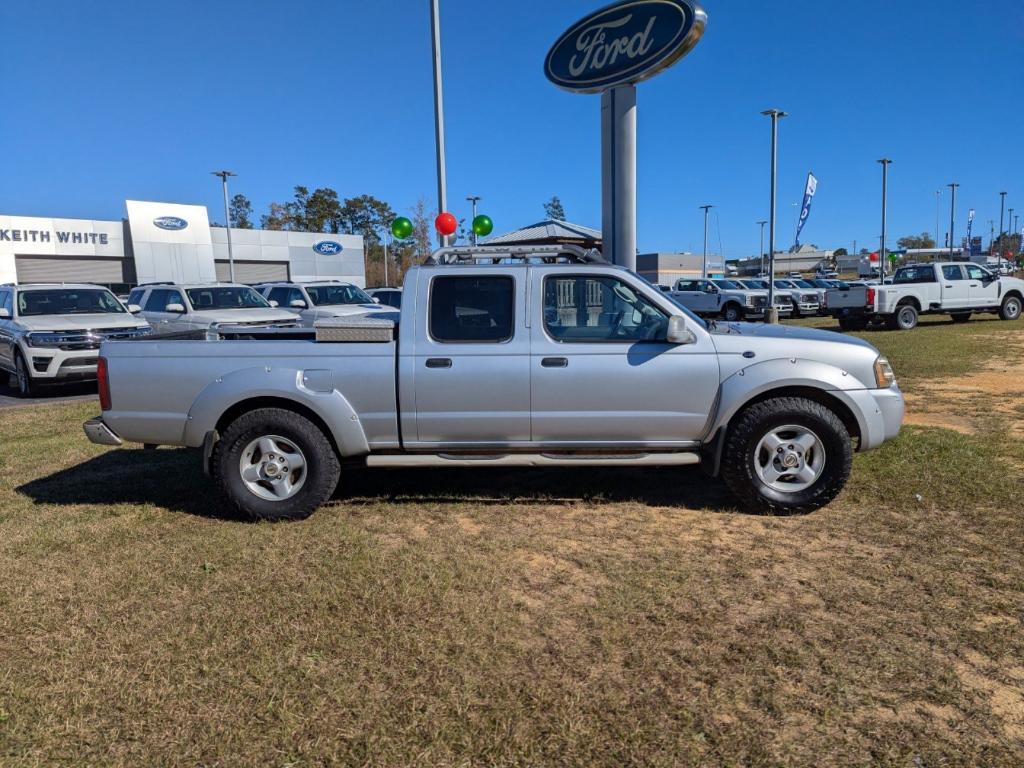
(225, 297)
(331, 295)
(68, 301)
(726, 285)
(759, 285)
(782, 284)
(801, 283)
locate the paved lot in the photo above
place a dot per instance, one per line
(57, 394)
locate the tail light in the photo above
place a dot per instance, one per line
(103, 380)
(870, 296)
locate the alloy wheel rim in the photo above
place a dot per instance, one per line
(273, 468)
(1013, 308)
(789, 459)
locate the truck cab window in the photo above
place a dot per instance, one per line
(579, 308)
(952, 272)
(472, 309)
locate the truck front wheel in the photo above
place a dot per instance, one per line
(733, 313)
(1011, 308)
(274, 464)
(786, 455)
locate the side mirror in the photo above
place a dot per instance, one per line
(298, 304)
(376, 300)
(5, 314)
(273, 303)
(176, 308)
(678, 333)
(134, 308)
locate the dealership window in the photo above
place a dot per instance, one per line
(467, 309)
(160, 298)
(585, 308)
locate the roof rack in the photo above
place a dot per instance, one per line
(547, 254)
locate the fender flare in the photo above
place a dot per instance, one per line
(756, 380)
(288, 384)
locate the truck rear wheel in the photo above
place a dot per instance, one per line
(1011, 308)
(904, 319)
(274, 464)
(787, 455)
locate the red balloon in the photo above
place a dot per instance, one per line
(446, 224)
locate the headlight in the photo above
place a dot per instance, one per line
(884, 376)
(49, 339)
(750, 301)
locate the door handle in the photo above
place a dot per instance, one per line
(947, 286)
(439, 362)
(555, 362)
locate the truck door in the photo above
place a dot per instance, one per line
(955, 290)
(471, 367)
(983, 287)
(601, 372)
(7, 330)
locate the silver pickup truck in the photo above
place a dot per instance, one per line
(528, 357)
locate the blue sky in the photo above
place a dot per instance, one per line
(110, 100)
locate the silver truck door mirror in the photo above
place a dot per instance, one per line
(176, 308)
(298, 304)
(5, 314)
(376, 300)
(678, 333)
(273, 303)
(134, 308)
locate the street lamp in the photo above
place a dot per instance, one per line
(704, 267)
(885, 162)
(761, 252)
(938, 194)
(772, 315)
(1002, 205)
(474, 199)
(227, 216)
(952, 211)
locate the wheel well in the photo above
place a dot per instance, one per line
(820, 396)
(912, 300)
(1013, 292)
(255, 403)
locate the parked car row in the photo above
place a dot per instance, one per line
(51, 333)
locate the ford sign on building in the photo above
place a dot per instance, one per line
(624, 43)
(168, 241)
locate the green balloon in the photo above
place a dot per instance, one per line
(482, 225)
(401, 228)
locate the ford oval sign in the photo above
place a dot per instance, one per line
(169, 222)
(624, 43)
(328, 248)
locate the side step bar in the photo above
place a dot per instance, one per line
(533, 460)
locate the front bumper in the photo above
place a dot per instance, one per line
(100, 433)
(882, 415)
(809, 308)
(47, 363)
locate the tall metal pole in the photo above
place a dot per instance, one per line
(384, 242)
(227, 217)
(474, 199)
(952, 212)
(938, 194)
(618, 174)
(1002, 206)
(704, 265)
(772, 315)
(435, 41)
(882, 254)
(761, 252)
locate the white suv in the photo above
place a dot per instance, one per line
(319, 300)
(173, 307)
(52, 333)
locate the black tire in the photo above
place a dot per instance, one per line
(321, 469)
(759, 420)
(853, 323)
(960, 317)
(732, 313)
(1011, 308)
(903, 319)
(23, 378)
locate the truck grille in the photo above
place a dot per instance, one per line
(760, 302)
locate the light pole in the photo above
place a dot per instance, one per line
(474, 199)
(952, 211)
(384, 242)
(885, 162)
(1009, 224)
(762, 223)
(938, 194)
(435, 43)
(704, 267)
(772, 315)
(1002, 206)
(227, 216)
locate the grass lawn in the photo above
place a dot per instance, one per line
(528, 618)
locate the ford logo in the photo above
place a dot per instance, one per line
(624, 43)
(328, 248)
(169, 222)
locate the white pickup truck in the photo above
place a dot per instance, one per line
(958, 289)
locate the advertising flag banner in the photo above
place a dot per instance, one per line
(970, 225)
(805, 209)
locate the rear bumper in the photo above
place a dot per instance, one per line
(100, 433)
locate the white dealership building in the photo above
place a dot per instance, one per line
(168, 242)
